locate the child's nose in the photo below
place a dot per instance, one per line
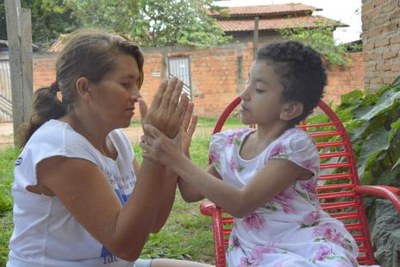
(244, 94)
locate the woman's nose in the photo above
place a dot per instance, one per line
(135, 93)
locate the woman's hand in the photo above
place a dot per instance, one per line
(168, 108)
(153, 140)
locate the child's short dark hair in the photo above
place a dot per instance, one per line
(301, 72)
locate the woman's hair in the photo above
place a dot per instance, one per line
(301, 73)
(88, 53)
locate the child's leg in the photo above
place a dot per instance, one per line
(169, 263)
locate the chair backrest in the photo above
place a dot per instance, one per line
(336, 185)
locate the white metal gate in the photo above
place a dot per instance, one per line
(5, 89)
(180, 67)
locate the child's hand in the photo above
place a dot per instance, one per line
(158, 147)
(188, 127)
(167, 109)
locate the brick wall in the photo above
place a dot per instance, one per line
(43, 69)
(218, 74)
(342, 80)
(381, 41)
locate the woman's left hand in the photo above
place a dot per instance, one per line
(167, 108)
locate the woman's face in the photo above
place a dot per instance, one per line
(117, 93)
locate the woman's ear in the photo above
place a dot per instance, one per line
(83, 86)
(291, 110)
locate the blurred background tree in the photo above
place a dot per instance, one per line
(147, 22)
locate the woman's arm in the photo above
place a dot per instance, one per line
(85, 191)
(187, 127)
(167, 182)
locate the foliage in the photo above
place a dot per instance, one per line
(49, 19)
(321, 39)
(373, 122)
(154, 23)
(147, 22)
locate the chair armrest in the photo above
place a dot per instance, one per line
(390, 193)
(207, 208)
(210, 209)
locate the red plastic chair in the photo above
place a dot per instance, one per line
(340, 191)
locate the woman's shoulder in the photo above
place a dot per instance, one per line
(50, 131)
(58, 136)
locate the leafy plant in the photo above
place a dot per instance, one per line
(154, 23)
(373, 123)
(320, 39)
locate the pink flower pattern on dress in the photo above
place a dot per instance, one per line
(309, 165)
(328, 232)
(310, 219)
(256, 256)
(308, 186)
(233, 165)
(276, 150)
(254, 221)
(229, 139)
(214, 157)
(249, 261)
(322, 252)
(285, 200)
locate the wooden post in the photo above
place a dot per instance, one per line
(19, 35)
(255, 39)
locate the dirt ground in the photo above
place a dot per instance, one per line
(6, 134)
(134, 133)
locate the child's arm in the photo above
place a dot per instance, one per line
(272, 179)
(189, 192)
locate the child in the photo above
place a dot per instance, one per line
(267, 176)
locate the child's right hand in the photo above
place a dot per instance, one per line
(188, 127)
(158, 147)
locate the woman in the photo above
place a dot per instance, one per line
(80, 197)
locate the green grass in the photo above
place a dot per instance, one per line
(7, 159)
(186, 235)
(205, 122)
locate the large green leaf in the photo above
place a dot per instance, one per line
(371, 148)
(378, 109)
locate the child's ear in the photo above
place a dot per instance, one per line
(83, 86)
(291, 110)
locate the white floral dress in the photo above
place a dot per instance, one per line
(291, 229)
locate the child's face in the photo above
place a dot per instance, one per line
(262, 99)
